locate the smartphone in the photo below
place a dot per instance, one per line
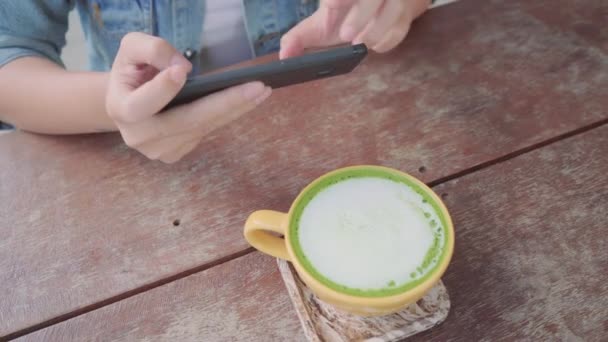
(276, 74)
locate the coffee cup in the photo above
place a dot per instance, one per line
(369, 240)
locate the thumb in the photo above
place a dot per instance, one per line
(305, 34)
(153, 96)
(147, 73)
(319, 30)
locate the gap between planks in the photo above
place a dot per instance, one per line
(125, 295)
(230, 257)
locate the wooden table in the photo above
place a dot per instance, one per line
(502, 106)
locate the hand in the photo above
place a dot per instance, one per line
(380, 24)
(147, 73)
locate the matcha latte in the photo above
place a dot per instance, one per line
(368, 233)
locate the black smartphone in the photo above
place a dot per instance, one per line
(276, 74)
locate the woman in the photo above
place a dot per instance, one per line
(141, 52)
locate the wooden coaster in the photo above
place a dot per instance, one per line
(322, 322)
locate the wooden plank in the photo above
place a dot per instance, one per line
(238, 300)
(531, 258)
(85, 221)
(586, 19)
(530, 264)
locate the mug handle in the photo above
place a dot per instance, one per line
(258, 228)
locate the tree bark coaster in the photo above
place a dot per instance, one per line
(322, 322)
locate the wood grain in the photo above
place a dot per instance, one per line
(238, 300)
(323, 322)
(530, 264)
(580, 18)
(85, 220)
(531, 260)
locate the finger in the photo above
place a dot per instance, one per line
(154, 95)
(318, 30)
(337, 4)
(201, 115)
(131, 95)
(215, 110)
(292, 43)
(156, 149)
(158, 135)
(418, 8)
(334, 12)
(358, 17)
(139, 48)
(308, 33)
(173, 156)
(130, 106)
(388, 15)
(213, 123)
(393, 37)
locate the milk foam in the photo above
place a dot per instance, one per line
(369, 233)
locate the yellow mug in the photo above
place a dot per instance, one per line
(263, 229)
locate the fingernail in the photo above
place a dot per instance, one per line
(252, 91)
(282, 53)
(263, 96)
(284, 47)
(178, 74)
(358, 40)
(178, 59)
(348, 33)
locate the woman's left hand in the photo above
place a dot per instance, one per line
(380, 24)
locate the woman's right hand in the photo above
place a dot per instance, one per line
(146, 75)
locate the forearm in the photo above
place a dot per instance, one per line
(39, 96)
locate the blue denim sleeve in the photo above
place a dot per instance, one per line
(33, 28)
(268, 20)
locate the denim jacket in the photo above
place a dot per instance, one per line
(38, 27)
